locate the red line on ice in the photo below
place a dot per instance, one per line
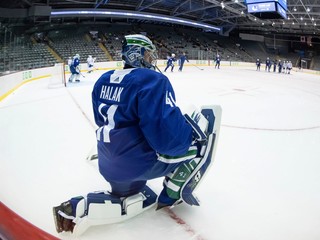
(182, 223)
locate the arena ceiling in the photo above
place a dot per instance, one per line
(229, 15)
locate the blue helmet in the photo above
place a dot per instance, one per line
(138, 51)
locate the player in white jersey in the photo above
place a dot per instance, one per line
(90, 63)
(69, 62)
(284, 67)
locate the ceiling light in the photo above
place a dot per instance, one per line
(301, 18)
(131, 14)
(308, 9)
(295, 9)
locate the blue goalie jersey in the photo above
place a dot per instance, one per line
(137, 117)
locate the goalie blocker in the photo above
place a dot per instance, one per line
(99, 208)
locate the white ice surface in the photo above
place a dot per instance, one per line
(264, 184)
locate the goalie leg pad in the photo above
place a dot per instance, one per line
(180, 184)
(175, 180)
(101, 206)
(213, 115)
(104, 208)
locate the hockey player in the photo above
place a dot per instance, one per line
(280, 66)
(275, 65)
(75, 69)
(142, 135)
(170, 62)
(258, 64)
(183, 58)
(217, 60)
(289, 67)
(268, 65)
(285, 67)
(90, 63)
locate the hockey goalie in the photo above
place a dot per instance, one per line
(142, 134)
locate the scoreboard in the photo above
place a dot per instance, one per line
(268, 9)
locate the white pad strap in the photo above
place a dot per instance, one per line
(81, 207)
(65, 215)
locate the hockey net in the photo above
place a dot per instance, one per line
(58, 76)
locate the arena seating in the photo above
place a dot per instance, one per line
(46, 49)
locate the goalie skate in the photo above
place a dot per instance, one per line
(213, 114)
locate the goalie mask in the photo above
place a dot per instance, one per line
(138, 51)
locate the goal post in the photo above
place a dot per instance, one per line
(58, 76)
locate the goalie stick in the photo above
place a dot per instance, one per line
(197, 67)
